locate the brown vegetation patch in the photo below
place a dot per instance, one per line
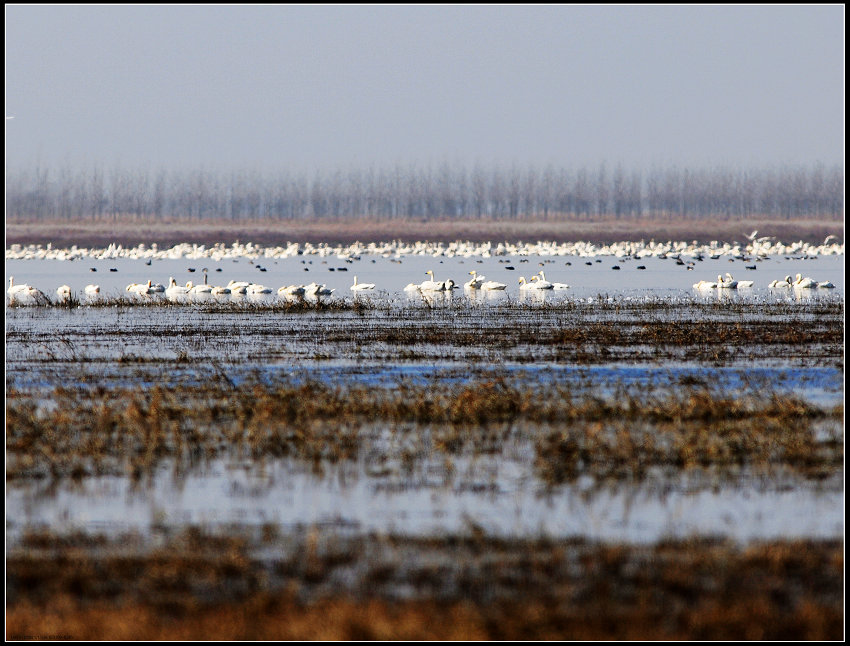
(199, 587)
(83, 432)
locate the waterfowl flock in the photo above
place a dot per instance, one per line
(478, 283)
(754, 251)
(749, 249)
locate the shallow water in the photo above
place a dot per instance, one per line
(138, 347)
(495, 494)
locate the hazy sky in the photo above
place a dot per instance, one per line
(312, 86)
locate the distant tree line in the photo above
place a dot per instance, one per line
(439, 192)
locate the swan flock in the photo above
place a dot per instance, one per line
(753, 251)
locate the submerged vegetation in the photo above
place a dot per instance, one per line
(73, 434)
(405, 397)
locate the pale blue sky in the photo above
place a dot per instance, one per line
(316, 86)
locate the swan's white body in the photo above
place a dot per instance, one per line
(475, 282)
(432, 285)
(826, 285)
(174, 289)
(705, 284)
(64, 292)
(535, 283)
(740, 284)
(492, 285)
(324, 290)
(726, 284)
(805, 283)
(784, 283)
(17, 289)
(140, 288)
(28, 294)
(238, 287)
(292, 290)
(198, 289)
(361, 287)
(91, 290)
(258, 289)
(554, 285)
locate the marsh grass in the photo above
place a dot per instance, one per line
(79, 432)
(320, 584)
(238, 333)
(144, 390)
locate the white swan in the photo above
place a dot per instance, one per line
(255, 289)
(359, 287)
(92, 290)
(139, 288)
(741, 284)
(291, 290)
(826, 285)
(315, 289)
(324, 290)
(539, 283)
(475, 282)
(785, 282)
(215, 289)
(28, 293)
(198, 289)
(492, 285)
(174, 289)
(523, 284)
(17, 289)
(804, 283)
(554, 285)
(238, 287)
(432, 285)
(705, 284)
(726, 284)
(64, 292)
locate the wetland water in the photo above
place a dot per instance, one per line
(610, 335)
(624, 458)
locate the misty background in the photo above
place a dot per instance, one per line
(308, 109)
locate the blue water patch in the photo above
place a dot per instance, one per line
(822, 384)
